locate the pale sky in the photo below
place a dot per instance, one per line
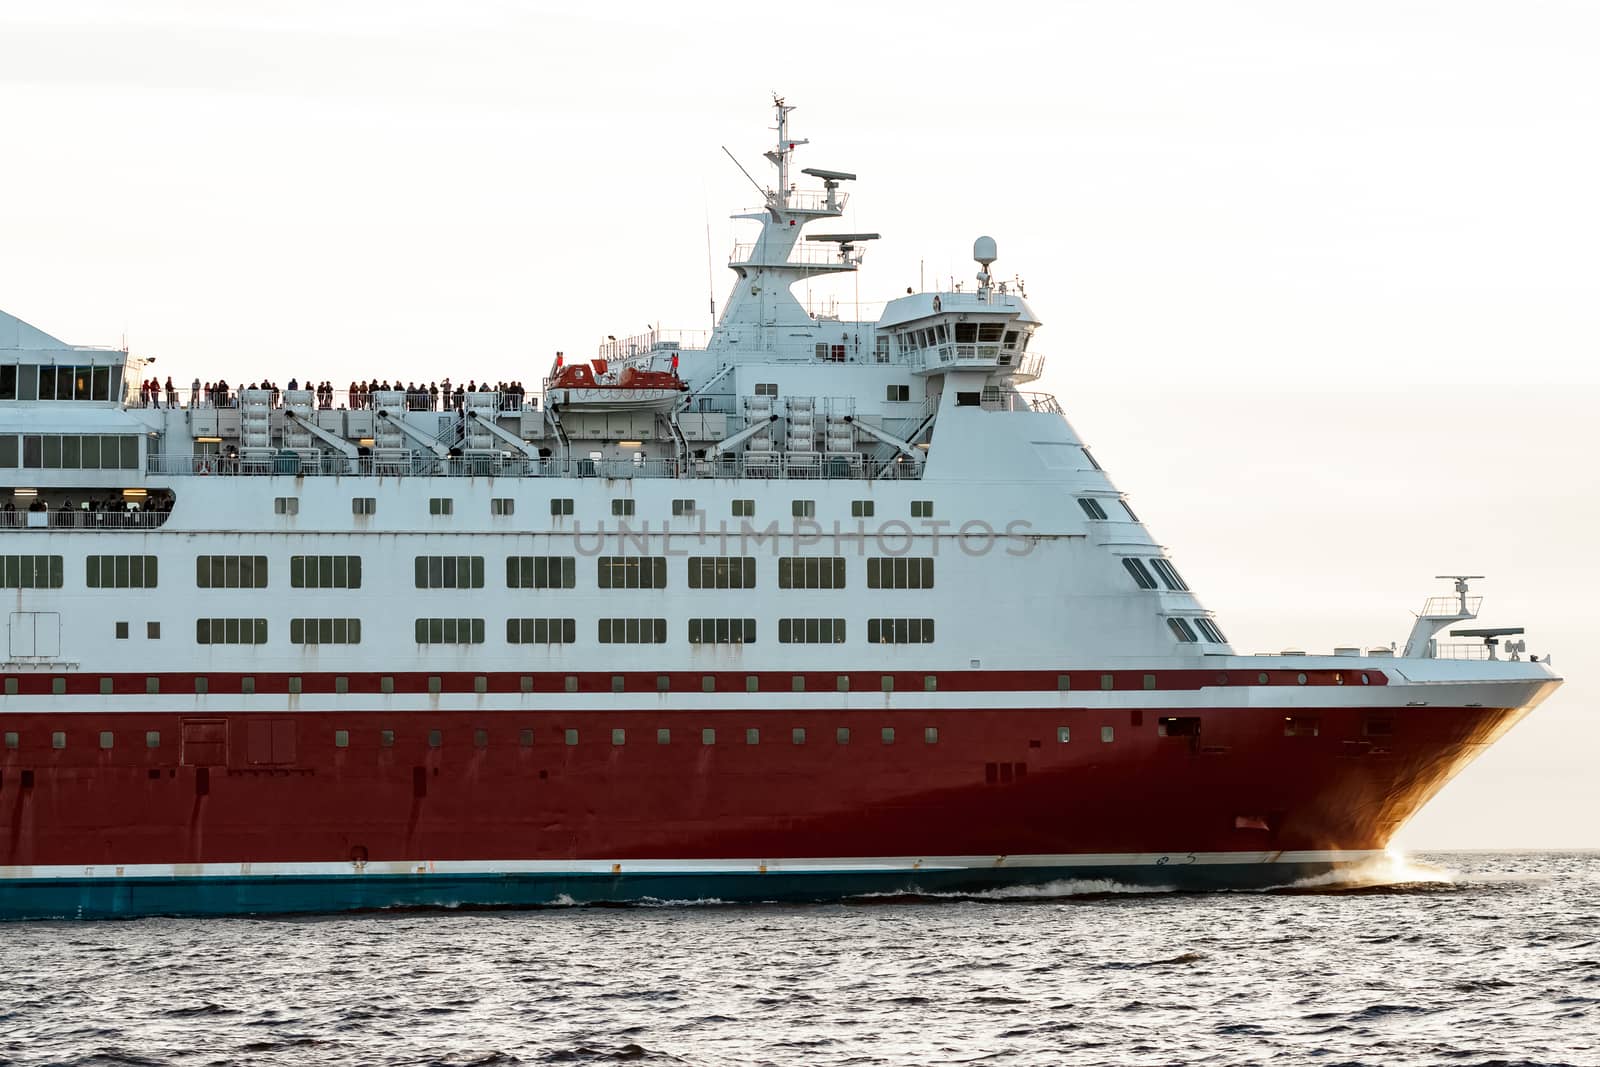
(1319, 279)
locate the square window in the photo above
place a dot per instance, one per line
(570, 736)
(435, 738)
(525, 683)
(480, 739)
(619, 737)
(663, 683)
(152, 685)
(752, 684)
(13, 740)
(708, 736)
(341, 684)
(616, 683)
(122, 631)
(386, 684)
(804, 509)
(202, 684)
(441, 505)
(152, 739)
(930, 735)
(105, 687)
(11, 687)
(435, 683)
(663, 736)
(798, 735)
(888, 735)
(1063, 682)
(1063, 734)
(798, 683)
(364, 505)
(572, 683)
(752, 736)
(58, 686)
(152, 631)
(560, 505)
(744, 509)
(622, 508)
(1107, 681)
(841, 736)
(525, 738)
(386, 738)
(887, 682)
(1108, 734)
(930, 682)
(341, 739)
(862, 509)
(58, 739)
(107, 739)
(683, 507)
(480, 684)
(708, 684)
(502, 505)
(295, 684)
(843, 683)
(247, 685)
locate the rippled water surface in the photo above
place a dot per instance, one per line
(1477, 958)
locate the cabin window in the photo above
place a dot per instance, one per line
(230, 631)
(570, 736)
(31, 572)
(449, 572)
(899, 631)
(930, 735)
(752, 736)
(561, 505)
(441, 505)
(1108, 734)
(449, 631)
(324, 631)
(120, 572)
(797, 735)
(968, 400)
(619, 737)
(58, 739)
(899, 572)
(862, 509)
(325, 572)
(341, 739)
(633, 631)
(231, 572)
(744, 509)
(622, 508)
(722, 572)
(888, 735)
(1091, 508)
(769, 388)
(1169, 574)
(804, 509)
(683, 507)
(364, 505)
(541, 631)
(122, 631)
(898, 394)
(632, 572)
(922, 509)
(1181, 630)
(1063, 734)
(502, 505)
(1141, 575)
(663, 736)
(811, 572)
(810, 632)
(541, 572)
(841, 736)
(708, 736)
(722, 631)
(286, 505)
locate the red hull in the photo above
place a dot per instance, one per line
(277, 787)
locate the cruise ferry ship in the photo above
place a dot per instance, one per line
(805, 608)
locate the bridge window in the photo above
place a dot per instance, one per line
(1128, 508)
(120, 572)
(1181, 630)
(80, 451)
(1208, 631)
(1091, 508)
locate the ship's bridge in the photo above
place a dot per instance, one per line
(987, 330)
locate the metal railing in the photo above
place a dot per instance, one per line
(1012, 400)
(77, 519)
(1461, 650)
(811, 255)
(789, 465)
(1442, 606)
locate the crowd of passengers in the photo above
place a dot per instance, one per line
(90, 510)
(153, 393)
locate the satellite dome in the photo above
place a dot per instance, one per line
(983, 250)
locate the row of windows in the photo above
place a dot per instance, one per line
(230, 572)
(449, 572)
(541, 631)
(560, 507)
(35, 381)
(899, 631)
(325, 572)
(899, 572)
(120, 572)
(541, 572)
(664, 683)
(324, 631)
(722, 631)
(811, 631)
(1185, 630)
(632, 572)
(230, 631)
(71, 452)
(449, 631)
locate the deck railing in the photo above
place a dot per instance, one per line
(790, 465)
(76, 519)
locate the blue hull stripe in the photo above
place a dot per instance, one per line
(101, 898)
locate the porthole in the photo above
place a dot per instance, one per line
(1222, 679)
(1365, 680)
(1300, 678)
(1262, 678)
